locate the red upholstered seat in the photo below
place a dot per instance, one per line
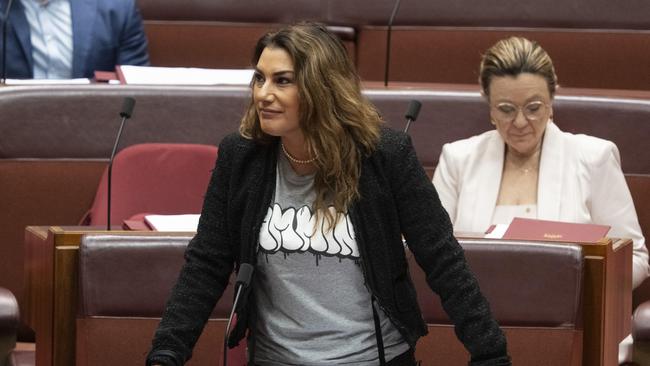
(534, 290)
(160, 178)
(115, 323)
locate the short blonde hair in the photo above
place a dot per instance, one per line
(513, 56)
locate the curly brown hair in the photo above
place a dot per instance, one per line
(339, 124)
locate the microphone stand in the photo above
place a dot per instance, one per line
(127, 110)
(388, 34)
(243, 281)
(412, 113)
(5, 18)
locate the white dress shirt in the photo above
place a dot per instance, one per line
(50, 24)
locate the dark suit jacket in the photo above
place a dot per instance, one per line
(105, 34)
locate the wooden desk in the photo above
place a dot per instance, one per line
(607, 300)
(51, 280)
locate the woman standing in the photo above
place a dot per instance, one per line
(316, 194)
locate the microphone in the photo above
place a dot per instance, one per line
(412, 113)
(5, 18)
(388, 33)
(243, 281)
(125, 113)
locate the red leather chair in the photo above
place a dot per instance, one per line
(534, 290)
(160, 178)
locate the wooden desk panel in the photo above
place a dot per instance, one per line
(607, 300)
(37, 310)
(51, 274)
(52, 289)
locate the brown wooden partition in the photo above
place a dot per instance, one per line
(52, 289)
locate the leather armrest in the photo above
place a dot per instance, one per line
(9, 318)
(641, 322)
(9, 313)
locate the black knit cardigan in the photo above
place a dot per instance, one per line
(396, 199)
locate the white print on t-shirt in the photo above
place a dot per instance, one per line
(290, 230)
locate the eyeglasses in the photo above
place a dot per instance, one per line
(508, 112)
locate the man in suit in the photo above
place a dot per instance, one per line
(62, 39)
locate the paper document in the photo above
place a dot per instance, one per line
(172, 222)
(47, 81)
(496, 231)
(147, 75)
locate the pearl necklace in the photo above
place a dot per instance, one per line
(297, 161)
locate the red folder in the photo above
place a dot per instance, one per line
(136, 225)
(530, 229)
(105, 76)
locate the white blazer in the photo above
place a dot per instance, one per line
(580, 180)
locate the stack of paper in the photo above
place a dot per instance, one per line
(147, 75)
(172, 222)
(47, 81)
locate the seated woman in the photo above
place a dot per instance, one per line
(527, 167)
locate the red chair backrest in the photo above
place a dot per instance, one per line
(159, 178)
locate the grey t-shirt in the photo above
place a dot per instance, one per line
(313, 307)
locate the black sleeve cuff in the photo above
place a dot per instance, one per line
(165, 358)
(499, 361)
